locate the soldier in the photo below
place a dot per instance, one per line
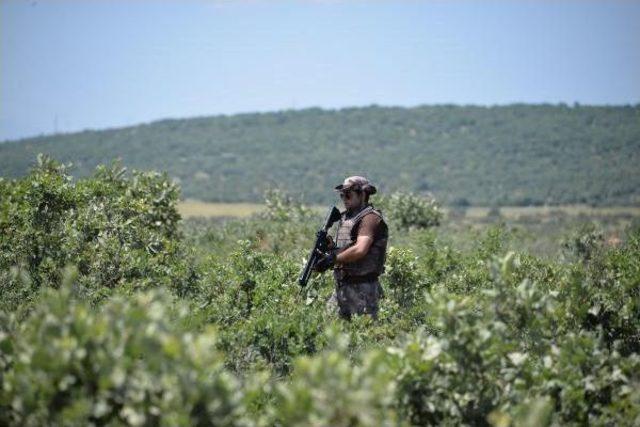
(357, 256)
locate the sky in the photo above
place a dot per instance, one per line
(67, 66)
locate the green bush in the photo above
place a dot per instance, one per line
(589, 384)
(584, 243)
(604, 295)
(474, 336)
(329, 390)
(264, 317)
(410, 211)
(282, 207)
(495, 354)
(118, 230)
(125, 363)
(462, 374)
(402, 279)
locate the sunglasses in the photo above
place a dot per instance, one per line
(346, 195)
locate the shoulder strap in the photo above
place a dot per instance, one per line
(366, 211)
(356, 220)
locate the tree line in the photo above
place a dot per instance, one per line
(464, 155)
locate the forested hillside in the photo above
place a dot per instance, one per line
(507, 155)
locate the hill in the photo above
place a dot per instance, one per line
(502, 155)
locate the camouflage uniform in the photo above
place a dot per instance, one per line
(358, 298)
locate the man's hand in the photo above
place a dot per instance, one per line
(327, 261)
(330, 243)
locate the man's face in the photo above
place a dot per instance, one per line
(352, 199)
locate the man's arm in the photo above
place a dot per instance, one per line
(357, 251)
(366, 234)
(368, 229)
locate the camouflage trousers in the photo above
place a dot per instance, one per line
(358, 298)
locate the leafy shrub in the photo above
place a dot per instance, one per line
(604, 295)
(584, 243)
(282, 207)
(408, 211)
(460, 375)
(463, 337)
(402, 279)
(125, 364)
(469, 273)
(117, 230)
(328, 389)
(495, 354)
(589, 384)
(264, 318)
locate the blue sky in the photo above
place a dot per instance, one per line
(72, 65)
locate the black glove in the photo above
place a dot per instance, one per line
(327, 261)
(330, 244)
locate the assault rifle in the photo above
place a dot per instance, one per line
(320, 245)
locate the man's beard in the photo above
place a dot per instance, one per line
(354, 210)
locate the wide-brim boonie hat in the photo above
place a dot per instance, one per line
(357, 183)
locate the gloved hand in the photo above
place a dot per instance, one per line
(327, 261)
(330, 243)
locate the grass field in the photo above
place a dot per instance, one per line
(195, 208)
(514, 212)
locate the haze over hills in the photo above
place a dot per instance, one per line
(503, 155)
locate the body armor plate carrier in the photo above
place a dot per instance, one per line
(372, 264)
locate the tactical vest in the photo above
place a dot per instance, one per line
(372, 264)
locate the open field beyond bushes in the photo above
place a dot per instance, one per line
(197, 208)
